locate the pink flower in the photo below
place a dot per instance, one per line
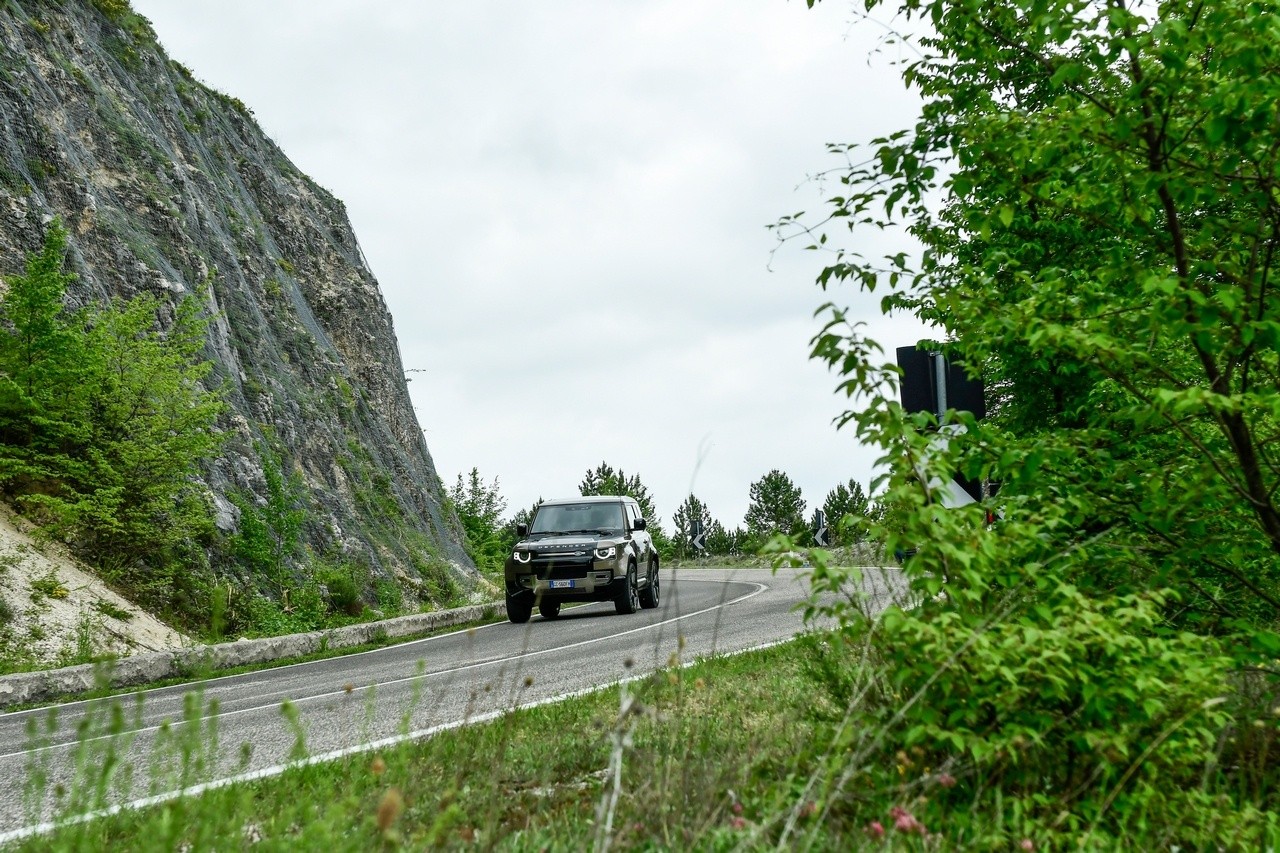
(875, 829)
(737, 808)
(946, 780)
(738, 823)
(905, 821)
(1028, 845)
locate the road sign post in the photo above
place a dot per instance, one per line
(697, 537)
(821, 535)
(932, 384)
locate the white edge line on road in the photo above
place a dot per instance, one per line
(394, 740)
(759, 588)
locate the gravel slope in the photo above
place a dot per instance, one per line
(56, 612)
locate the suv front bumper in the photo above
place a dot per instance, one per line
(594, 580)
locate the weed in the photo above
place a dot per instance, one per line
(82, 648)
(106, 608)
(48, 586)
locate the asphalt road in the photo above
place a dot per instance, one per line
(159, 741)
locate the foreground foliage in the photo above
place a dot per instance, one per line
(630, 767)
(1094, 188)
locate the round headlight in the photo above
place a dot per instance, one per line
(606, 553)
(522, 556)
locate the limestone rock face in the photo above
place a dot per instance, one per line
(169, 187)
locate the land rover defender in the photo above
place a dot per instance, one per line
(582, 549)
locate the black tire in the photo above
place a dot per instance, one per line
(519, 608)
(650, 595)
(628, 598)
(549, 608)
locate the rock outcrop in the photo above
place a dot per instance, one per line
(169, 187)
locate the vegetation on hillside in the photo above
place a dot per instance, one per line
(105, 424)
(1093, 187)
(104, 421)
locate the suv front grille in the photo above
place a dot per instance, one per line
(562, 567)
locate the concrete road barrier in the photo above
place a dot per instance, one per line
(27, 688)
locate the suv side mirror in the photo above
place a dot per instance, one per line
(640, 524)
(522, 530)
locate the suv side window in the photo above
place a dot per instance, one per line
(633, 512)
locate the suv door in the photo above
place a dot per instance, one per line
(643, 541)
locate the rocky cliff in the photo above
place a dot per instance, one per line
(166, 186)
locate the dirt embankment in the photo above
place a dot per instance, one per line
(53, 611)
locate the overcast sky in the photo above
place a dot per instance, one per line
(565, 202)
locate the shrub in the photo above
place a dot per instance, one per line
(344, 593)
(113, 9)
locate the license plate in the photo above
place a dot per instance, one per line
(562, 584)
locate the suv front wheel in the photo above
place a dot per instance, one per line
(519, 607)
(628, 598)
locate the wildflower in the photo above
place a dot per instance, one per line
(737, 808)
(738, 823)
(389, 809)
(946, 780)
(875, 829)
(1027, 844)
(905, 821)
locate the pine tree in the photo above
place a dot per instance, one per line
(847, 502)
(776, 507)
(480, 506)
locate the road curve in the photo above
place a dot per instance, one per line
(160, 741)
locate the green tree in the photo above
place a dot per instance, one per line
(723, 542)
(776, 506)
(848, 512)
(106, 421)
(1093, 185)
(40, 358)
(480, 506)
(604, 480)
(522, 516)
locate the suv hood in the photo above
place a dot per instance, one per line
(570, 542)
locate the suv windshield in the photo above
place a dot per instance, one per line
(578, 518)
